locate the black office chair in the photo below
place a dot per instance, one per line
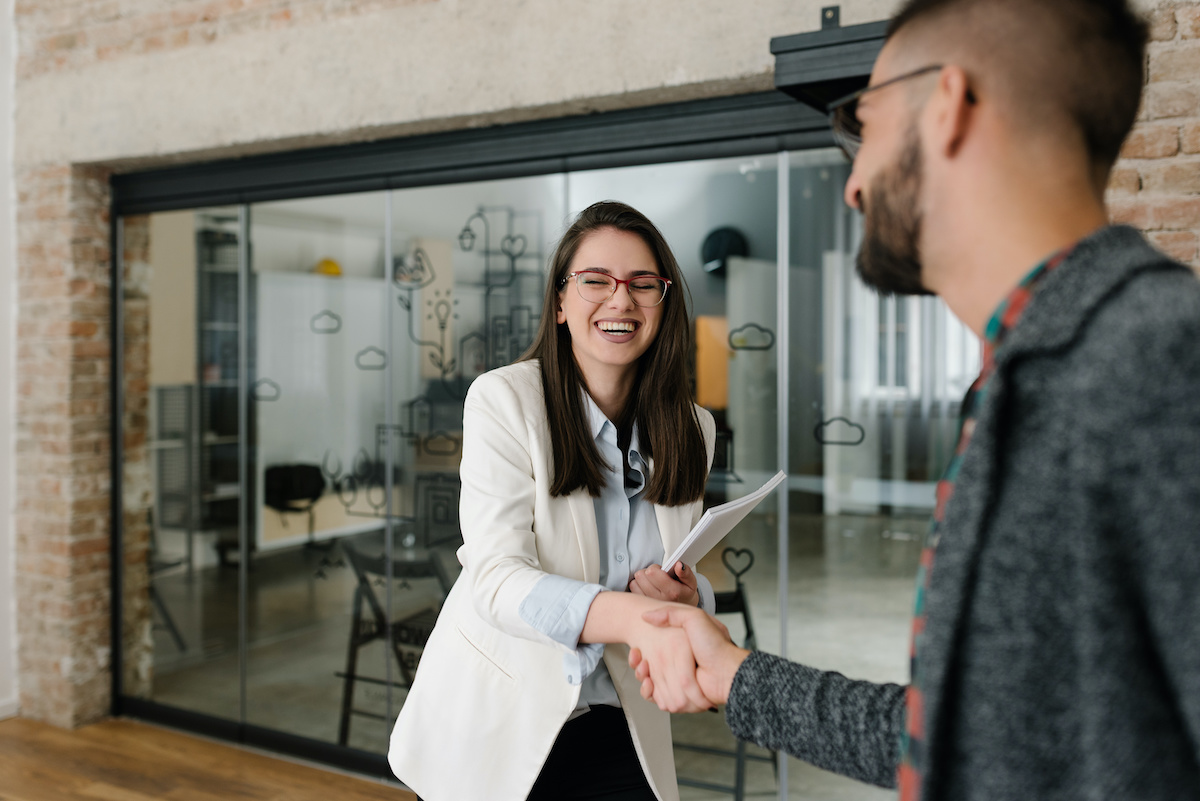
(409, 631)
(289, 488)
(732, 602)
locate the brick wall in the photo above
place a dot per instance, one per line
(137, 641)
(62, 444)
(1156, 183)
(57, 36)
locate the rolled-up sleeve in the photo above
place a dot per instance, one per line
(557, 607)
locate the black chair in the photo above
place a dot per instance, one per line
(737, 561)
(370, 622)
(290, 488)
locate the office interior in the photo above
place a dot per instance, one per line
(290, 490)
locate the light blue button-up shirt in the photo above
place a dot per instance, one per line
(629, 541)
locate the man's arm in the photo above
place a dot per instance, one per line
(845, 726)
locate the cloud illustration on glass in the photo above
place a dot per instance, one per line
(414, 271)
(829, 432)
(371, 358)
(513, 246)
(264, 389)
(325, 322)
(751, 336)
(441, 444)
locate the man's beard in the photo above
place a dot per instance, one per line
(889, 259)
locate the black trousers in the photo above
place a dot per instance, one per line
(593, 759)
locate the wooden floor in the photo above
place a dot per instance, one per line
(120, 760)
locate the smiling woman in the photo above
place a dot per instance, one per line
(565, 525)
(582, 348)
(612, 320)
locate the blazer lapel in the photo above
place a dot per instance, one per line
(668, 524)
(583, 514)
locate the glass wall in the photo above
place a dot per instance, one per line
(181, 303)
(292, 442)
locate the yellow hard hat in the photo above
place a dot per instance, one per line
(327, 267)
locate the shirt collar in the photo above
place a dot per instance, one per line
(1006, 315)
(602, 428)
(596, 418)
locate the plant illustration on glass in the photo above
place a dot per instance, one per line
(510, 289)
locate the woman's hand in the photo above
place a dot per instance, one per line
(678, 586)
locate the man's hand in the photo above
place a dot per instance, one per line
(677, 586)
(717, 658)
(668, 668)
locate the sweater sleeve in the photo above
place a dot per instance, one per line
(1153, 483)
(845, 726)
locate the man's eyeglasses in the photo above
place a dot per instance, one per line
(843, 112)
(597, 287)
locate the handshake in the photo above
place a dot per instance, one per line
(684, 658)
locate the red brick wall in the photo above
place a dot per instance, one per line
(1156, 183)
(62, 444)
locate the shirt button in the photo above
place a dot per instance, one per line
(620, 557)
(571, 679)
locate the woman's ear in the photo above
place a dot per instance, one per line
(559, 314)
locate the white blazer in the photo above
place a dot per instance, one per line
(490, 695)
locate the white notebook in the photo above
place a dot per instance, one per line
(716, 522)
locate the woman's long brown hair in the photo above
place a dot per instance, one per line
(660, 401)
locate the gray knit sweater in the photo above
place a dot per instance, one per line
(1063, 650)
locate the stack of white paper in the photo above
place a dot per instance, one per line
(716, 522)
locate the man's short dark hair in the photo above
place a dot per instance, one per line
(1076, 61)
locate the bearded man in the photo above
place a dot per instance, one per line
(1056, 635)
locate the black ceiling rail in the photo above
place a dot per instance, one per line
(824, 65)
(749, 124)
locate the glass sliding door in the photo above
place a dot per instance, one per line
(293, 420)
(317, 388)
(464, 293)
(180, 307)
(873, 392)
(720, 217)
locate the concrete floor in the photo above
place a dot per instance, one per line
(849, 602)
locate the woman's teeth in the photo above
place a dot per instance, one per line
(616, 328)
